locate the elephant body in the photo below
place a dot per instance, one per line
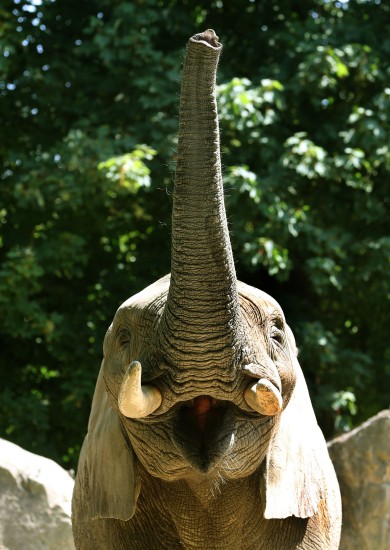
(202, 433)
(204, 514)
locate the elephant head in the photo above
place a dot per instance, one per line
(200, 377)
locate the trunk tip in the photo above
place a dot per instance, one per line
(208, 37)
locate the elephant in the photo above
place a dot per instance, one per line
(202, 434)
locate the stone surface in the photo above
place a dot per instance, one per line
(362, 462)
(35, 501)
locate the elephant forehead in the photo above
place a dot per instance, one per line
(153, 295)
(262, 300)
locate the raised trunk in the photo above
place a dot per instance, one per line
(201, 315)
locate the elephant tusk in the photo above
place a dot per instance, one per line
(264, 397)
(136, 400)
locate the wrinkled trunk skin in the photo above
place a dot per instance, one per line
(201, 322)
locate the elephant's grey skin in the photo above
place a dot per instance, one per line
(204, 470)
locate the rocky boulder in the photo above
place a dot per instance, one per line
(35, 501)
(362, 462)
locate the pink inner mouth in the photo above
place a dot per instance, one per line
(200, 408)
(203, 428)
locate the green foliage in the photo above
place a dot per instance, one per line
(308, 200)
(304, 105)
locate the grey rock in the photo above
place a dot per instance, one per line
(35, 501)
(362, 462)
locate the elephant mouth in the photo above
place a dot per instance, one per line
(203, 432)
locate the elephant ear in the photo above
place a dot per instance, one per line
(107, 462)
(298, 472)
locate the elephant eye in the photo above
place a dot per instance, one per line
(124, 338)
(277, 336)
(277, 333)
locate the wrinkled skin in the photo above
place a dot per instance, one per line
(202, 467)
